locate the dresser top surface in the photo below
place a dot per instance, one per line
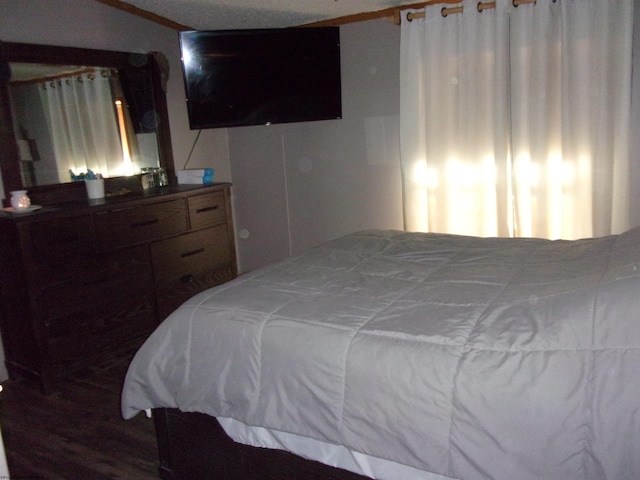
(122, 200)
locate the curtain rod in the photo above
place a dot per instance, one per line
(481, 6)
(104, 71)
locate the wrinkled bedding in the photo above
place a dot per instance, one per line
(474, 358)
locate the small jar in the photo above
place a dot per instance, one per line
(19, 199)
(163, 180)
(147, 181)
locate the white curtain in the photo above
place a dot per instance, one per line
(84, 128)
(515, 120)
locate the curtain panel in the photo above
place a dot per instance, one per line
(515, 120)
(82, 120)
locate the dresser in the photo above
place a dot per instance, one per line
(84, 281)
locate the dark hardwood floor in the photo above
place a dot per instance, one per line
(77, 432)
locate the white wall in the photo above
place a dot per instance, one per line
(297, 185)
(634, 150)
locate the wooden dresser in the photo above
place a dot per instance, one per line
(82, 281)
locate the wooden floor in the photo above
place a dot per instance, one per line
(78, 432)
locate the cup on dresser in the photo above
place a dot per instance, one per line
(95, 188)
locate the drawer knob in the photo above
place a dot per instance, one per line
(192, 252)
(145, 223)
(188, 278)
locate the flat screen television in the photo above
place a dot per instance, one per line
(261, 76)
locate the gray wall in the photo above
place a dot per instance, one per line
(299, 184)
(634, 148)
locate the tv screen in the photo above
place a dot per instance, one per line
(259, 77)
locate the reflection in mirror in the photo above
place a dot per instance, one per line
(69, 119)
(112, 138)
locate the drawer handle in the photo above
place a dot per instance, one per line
(192, 252)
(145, 223)
(188, 278)
(207, 209)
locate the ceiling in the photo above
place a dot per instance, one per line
(237, 14)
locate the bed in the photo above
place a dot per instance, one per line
(398, 355)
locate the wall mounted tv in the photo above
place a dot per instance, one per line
(260, 77)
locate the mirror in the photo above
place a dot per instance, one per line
(65, 110)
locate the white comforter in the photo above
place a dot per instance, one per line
(472, 358)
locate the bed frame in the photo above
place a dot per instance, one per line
(194, 446)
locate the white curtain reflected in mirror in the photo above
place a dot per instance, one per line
(80, 113)
(76, 122)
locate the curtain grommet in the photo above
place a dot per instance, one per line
(516, 3)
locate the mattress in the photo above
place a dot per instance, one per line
(324, 452)
(460, 356)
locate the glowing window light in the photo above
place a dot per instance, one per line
(127, 164)
(423, 176)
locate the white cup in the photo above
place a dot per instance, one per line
(95, 188)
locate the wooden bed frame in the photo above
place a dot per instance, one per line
(194, 446)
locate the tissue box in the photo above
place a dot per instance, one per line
(195, 176)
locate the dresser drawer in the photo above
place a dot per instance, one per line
(190, 254)
(174, 293)
(60, 240)
(100, 328)
(118, 228)
(207, 210)
(92, 281)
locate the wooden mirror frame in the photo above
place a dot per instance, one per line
(47, 54)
